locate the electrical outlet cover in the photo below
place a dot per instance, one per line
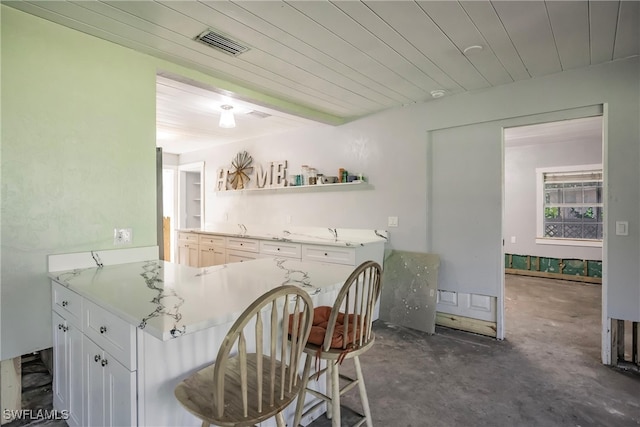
(122, 236)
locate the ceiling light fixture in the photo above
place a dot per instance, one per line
(437, 93)
(226, 118)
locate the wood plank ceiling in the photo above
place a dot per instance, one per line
(342, 60)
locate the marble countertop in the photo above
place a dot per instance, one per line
(313, 235)
(168, 300)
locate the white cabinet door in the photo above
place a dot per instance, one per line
(188, 253)
(120, 393)
(74, 369)
(94, 384)
(110, 389)
(67, 371)
(212, 255)
(60, 363)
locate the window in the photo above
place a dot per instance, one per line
(570, 205)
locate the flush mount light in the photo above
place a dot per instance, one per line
(226, 118)
(437, 93)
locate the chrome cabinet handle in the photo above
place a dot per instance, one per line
(103, 329)
(59, 326)
(104, 362)
(65, 328)
(65, 303)
(97, 358)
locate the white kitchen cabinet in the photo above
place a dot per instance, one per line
(67, 380)
(89, 382)
(240, 256)
(188, 249)
(67, 350)
(110, 389)
(280, 249)
(212, 250)
(332, 254)
(241, 249)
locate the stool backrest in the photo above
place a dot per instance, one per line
(266, 378)
(354, 306)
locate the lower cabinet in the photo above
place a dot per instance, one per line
(94, 387)
(212, 250)
(110, 389)
(241, 249)
(188, 252)
(67, 359)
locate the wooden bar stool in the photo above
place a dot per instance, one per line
(256, 382)
(339, 333)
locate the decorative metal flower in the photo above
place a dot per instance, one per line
(238, 176)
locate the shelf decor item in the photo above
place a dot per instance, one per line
(241, 168)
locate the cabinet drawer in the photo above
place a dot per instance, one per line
(249, 245)
(207, 239)
(333, 254)
(111, 333)
(66, 303)
(240, 256)
(190, 237)
(289, 250)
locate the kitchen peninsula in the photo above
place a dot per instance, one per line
(128, 327)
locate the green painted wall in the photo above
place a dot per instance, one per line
(78, 159)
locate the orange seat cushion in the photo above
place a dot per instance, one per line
(319, 328)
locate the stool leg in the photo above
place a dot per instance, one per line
(303, 391)
(335, 394)
(363, 391)
(328, 388)
(280, 420)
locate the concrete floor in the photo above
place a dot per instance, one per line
(546, 373)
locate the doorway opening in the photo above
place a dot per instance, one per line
(553, 231)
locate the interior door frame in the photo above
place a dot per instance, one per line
(568, 114)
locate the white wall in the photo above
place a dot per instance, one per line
(390, 149)
(520, 209)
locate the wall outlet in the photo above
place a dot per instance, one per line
(513, 239)
(122, 236)
(393, 221)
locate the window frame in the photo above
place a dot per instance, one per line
(540, 238)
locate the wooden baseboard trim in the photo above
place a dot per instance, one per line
(585, 279)
(468, 324)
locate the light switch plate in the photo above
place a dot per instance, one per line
(622, 228)
(393, 221)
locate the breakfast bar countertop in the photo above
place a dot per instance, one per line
(168, 300)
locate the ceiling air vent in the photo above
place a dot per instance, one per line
(258, 114)
(222, 43)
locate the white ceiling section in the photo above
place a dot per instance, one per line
(349, 59)
(187, 118)
(587, 129)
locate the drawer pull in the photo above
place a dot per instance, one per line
(278, 249)
(97, 357)
(326, 254)
(104, 362)
(103, 329)
(65, 328)
(59, 326)
(65, 303)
